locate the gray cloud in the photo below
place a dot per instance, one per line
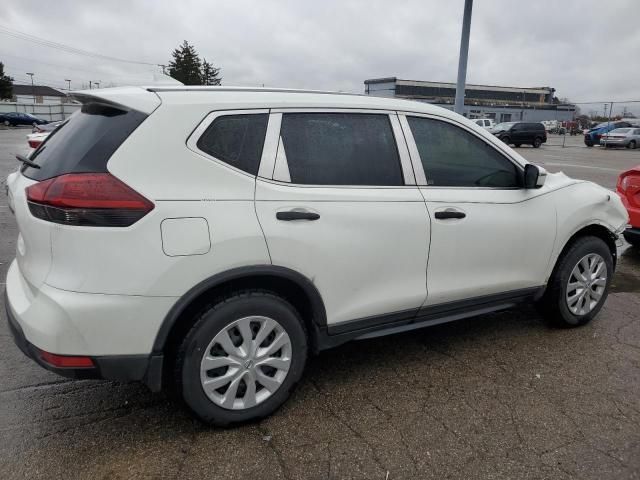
(587, 50)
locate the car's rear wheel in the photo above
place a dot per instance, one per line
(242, 358)
(537, 142)
(6, 123)
(632, 145)
(579, 284)
(517, 145)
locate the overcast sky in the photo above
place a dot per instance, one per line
(587, 50)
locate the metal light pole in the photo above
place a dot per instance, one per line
(69, 82)
(33, 90)
(464, 52)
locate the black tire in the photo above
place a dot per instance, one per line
(632, 145)
(517, 145)
(506, 139)
(213, 320)
(6, 123)
(588, 143)
(553, 304)
(537, 142)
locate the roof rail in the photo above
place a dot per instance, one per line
(196, 88)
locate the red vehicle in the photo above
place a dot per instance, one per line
(629, 190)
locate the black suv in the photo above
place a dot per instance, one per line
(517, 133)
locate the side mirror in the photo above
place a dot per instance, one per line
(534, 176)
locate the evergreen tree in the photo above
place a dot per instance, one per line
(6, 84)
(210, 74)
(186, 65)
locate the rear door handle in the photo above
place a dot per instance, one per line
(446, 214)
(297, 215)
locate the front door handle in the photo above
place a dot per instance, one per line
(446, 214)
(297, 215)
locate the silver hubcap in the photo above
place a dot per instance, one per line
(586, 285)
(245, 363)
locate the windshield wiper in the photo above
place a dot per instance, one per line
(26, 161)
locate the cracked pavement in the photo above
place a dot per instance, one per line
(497, 396)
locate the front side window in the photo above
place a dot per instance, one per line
(452, 157)
(341, 149)
(236, 140)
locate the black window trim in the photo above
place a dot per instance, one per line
(421, 178)
(406, 166)
(195, 135)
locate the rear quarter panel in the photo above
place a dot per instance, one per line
(181, 183)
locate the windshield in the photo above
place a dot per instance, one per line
(504, 126)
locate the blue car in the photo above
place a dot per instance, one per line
(17, 118)
(592, 137)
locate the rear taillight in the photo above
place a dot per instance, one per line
(34, 143)
(87, 199)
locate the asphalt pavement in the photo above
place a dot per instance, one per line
(497, 396)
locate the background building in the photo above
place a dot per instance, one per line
(42, 94)
(503, 104)
(48, 104)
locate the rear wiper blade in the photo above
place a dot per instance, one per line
(26, 161)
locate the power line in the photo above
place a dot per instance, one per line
(28, 61)
(65, 48)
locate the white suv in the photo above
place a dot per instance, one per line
(210, 239)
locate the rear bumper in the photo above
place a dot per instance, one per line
(145, 368)
(116, 332)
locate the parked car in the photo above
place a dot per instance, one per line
(16, 118)
(621, 137)
(46, 127)
(592, 136)
(209, 239)
(35, 139)
(628, 188)
(484, 123)
(518, 133)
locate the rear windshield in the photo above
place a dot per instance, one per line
(85, 142)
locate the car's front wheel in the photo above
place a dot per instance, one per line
(6, 123)
(242, 358)
(632, 145)
(579, 284)
(506, 139)
(537, 142)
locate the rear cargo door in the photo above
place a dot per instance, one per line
(83, 144)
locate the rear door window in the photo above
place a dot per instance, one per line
(341, 149)
(85, 142)
(236, 140)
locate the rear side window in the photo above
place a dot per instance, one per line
(236, 140)
(452, 157)
(341, 149)
(85, 142)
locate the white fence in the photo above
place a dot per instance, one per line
(52, 113)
